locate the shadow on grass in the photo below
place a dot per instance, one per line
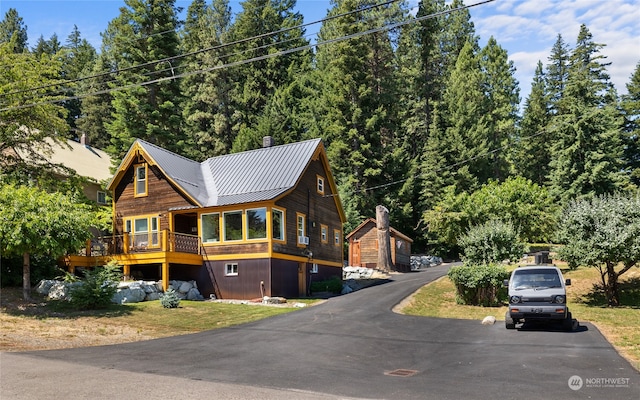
(629, 292)
(13, 304)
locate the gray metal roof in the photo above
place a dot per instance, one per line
(250, 176)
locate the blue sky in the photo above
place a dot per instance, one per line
(527, 29)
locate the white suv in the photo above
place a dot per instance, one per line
(538, 293)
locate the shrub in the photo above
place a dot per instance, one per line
(491, 242)
(479, 284)
(97, 288)
(170, 299)
(333, 285)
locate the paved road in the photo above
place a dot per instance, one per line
(344, 348)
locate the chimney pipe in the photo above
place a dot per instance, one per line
(268, 141)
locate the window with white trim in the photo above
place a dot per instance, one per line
(256, 223)
(320, 184)
(143, 231)
(277, 224)
(231, 269)
(337, 237)
(301, 227)
(140, 180)
(210, 225)
(232, 221)
(101, 197)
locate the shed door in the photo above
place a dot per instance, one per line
(356, 254)
(302, 279)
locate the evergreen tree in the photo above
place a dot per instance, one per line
(14, 31)
(264, 27)
(359, 100)
(207, 106)
(147, 101)
(631, 107)
(49, 47)
(532, 153)
(78, 57)
(502, 101)
(588, 150)
(557, 73)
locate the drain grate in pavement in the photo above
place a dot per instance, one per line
(402, 372)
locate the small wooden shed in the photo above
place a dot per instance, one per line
(363, 247)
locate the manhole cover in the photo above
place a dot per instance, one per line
(401, 372)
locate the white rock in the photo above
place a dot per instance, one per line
(489, 320)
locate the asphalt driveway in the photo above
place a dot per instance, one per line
(351, 346)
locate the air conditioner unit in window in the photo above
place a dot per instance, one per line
(303, 240)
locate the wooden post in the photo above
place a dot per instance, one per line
(384, 239)
(165, 276)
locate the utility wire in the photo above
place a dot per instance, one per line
(216, 47)
(249, 60)
(441, 169)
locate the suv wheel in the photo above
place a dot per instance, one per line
(508, 321)
(567, 323)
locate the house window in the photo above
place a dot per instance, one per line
(314, 268)
(231, 269)
(232, 225)
(210, 224)
(101, 197)
(140, 182)
(337, 237)
(301, 228)
(143, 232)
(277, 224)
(256, 223)
(320, 185)
(324, 234)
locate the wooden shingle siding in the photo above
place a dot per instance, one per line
(318, 209)
(161, 197)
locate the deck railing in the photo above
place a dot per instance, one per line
(142, 243)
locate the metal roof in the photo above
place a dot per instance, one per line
(251, 176)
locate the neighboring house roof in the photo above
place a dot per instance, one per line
(251, 176)
(393, 231)
(87, 161)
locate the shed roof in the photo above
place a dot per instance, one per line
(393, 231)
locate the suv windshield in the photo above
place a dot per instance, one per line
(536, 279)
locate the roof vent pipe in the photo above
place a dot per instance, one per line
(268, 141)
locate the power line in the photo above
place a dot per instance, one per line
(249, 60)
(216, 47)
(441, 169)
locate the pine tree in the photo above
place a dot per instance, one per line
(631, 108)
(49, 47)
(263, 28)
(588, 150)
(146, 102)
(532, 150)
(207, 107)
(557, 73)
(359, 103)
(14, 31)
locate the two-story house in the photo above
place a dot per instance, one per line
(259, 223)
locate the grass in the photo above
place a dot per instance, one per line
(620, 325)
(41, 325)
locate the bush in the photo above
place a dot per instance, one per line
(479, 284)
(491, 242)
(97, 288)
(170, 299)
(333, 285)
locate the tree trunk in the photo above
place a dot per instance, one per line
(612, 286)
(26, 277)
(384, 239)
